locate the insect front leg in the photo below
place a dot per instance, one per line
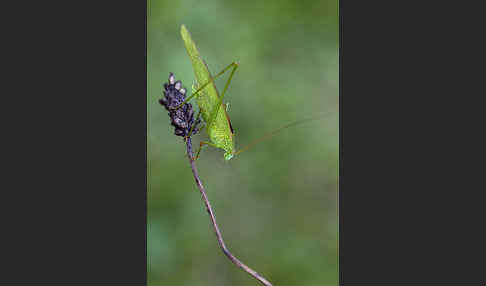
(201, 144)
(194, 128)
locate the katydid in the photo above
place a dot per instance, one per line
(218, 125)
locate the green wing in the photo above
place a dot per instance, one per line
(219, 130)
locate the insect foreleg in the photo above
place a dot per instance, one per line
(201, 144)
(194, 128)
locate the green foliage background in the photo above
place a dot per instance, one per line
(276, 204)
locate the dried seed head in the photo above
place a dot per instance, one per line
(182, 118)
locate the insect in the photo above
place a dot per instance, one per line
(211, 106)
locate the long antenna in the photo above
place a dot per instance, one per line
(274, 132)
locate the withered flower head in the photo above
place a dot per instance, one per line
(183, 118)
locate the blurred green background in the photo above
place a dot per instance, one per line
(276, 204)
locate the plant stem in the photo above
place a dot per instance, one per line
(213, 220)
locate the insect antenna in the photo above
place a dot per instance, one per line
(274, 132)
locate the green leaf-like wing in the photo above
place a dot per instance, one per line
(219, 130)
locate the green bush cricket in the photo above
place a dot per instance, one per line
(218, 125)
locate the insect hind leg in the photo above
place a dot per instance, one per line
(215, 111)
(211, 80)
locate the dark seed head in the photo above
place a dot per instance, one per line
(183, 118)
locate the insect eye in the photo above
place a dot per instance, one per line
(171, 78)
(178, 85)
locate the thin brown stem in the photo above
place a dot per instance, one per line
(215, 225)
